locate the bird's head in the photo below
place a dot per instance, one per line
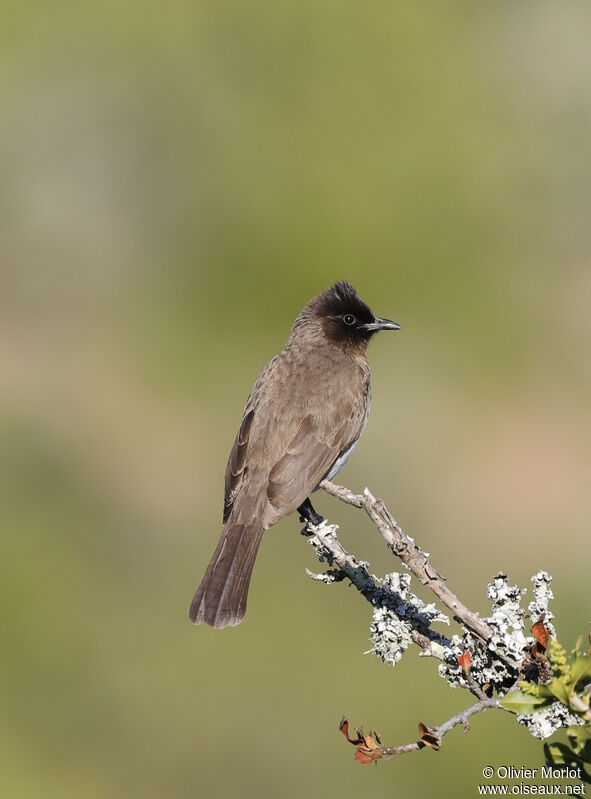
(342, 317)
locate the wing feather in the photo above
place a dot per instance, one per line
(297, 423)
(308, 458)
(237, 467)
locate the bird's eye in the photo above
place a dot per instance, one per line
(349, 319)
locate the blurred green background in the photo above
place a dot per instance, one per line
(177, 180)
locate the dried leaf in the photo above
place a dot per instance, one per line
(372, 741)
(370, 751)
(428, 737)
(541, 633)
(362, 758)
(369, 747)
(535, 666)
(464, 661)
(344, 728)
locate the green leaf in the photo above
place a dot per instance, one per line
(558, 689)
(578, 737)
(533, 689)
(518, 702)
(578, 704)
(585, 753)
(580, 669)
(559, 754)
(543, 690)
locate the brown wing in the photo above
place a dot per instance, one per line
(310, 454)
(237, 469)
(296, 423)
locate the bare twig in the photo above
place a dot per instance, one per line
(463, 716)
(375, 752)
(404, 547)
(474, 687)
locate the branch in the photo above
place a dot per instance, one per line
(491, 654)
(404, 547)
(328, 547)
(370, 748)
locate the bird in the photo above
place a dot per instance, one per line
(303, 417)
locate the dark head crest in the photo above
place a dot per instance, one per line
(342, 299)
(340, 315)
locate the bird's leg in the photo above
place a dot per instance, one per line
(309, 515)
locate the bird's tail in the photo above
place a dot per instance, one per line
(220, 600)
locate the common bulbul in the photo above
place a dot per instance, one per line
(305, 414)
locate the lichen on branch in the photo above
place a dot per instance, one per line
(490, 655)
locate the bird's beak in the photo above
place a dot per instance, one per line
(382, 324)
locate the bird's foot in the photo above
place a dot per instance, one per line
(309, 515)
(316, 519)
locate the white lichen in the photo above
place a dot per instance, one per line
(498, 664)
(390, 635)
(507, 618)
(544, 723)
(539, 609)
(495, 665)
(397, 612)
(327, 529)
(485, 667)
(410, 605)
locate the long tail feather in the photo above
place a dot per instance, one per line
(220, 600)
